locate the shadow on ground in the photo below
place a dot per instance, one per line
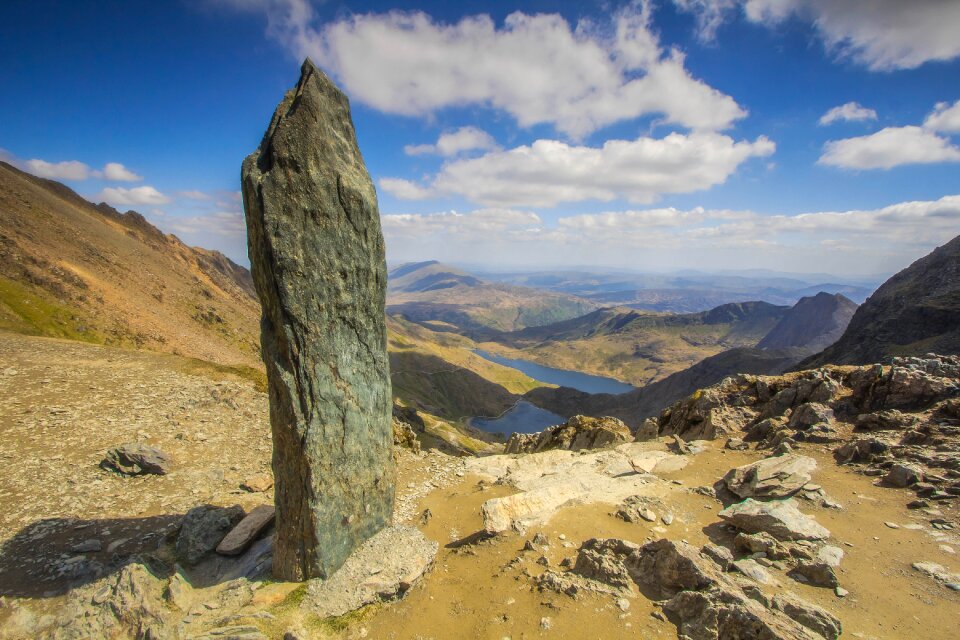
(56, 555)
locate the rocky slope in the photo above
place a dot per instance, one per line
(913, 313)
(71, 269)
(814, 323)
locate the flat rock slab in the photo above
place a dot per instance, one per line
(135, 458)
(776, 477)
(240, 537)
(780, 518)
(383, 568)
(552, 480)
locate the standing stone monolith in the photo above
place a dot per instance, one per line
(317, 258)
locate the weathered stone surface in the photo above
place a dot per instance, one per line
(776, 477)
(809, 414)
(203, 528)
(258, 484)
(819, 574)
(135, 458)
(240, 537)
(578, 433)
(903, 475)
(649, 430)
(381, 569)
(317, 259)
(779, 518)
(809, 615)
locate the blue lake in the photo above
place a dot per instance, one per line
(560, 377)
(522, 418)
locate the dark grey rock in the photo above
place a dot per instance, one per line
(317, 259)
(203, 528)
(135, 458)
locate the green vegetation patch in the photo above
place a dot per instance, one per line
(29, 312)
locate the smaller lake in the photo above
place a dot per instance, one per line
(523, 417)
(560, 377)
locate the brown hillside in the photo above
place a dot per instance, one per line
(75, 270)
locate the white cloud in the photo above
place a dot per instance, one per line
(549, 172)
(118, 172)
(888, 148)
(538, 68)
(194, 194)
(845, 242)
(895, 146)
(883, 35)
(455, 142)
(945, 117)
(67, 170)
(850, 111)
(119, 196)
(230, 224)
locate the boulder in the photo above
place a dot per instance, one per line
(818, 574)
(578, 433)
(202, 530)
(135, 458)
(247, 530)
(780, 518)
(903, 475)
(776, 477)
(317, 260)
(885, 420)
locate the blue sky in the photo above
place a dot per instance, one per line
(637, 135)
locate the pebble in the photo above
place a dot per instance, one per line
(841, 592)
(892, 525)
(545, 623)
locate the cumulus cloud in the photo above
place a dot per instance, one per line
(119, 173)
(888, 148)
(850, 111)
(194, 194)
(945, 117)
(847, 242)
(67, 170)
(882, 35)
(455, 142)
(71, 169)
(549, 172)
(119, 196)
(895, 146)
(538, 68)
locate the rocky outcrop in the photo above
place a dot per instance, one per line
(578, 433)
(317, 258)
(912, 313)
(705, 602)
(203, 528)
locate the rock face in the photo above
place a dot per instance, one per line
(317, 258)
(579, 432)
(202, 530)
(912, 313)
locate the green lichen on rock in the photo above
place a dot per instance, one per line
(318, 264)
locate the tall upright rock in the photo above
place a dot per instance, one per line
(317, 258)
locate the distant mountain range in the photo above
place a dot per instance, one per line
(446, 298)
(687, 291)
